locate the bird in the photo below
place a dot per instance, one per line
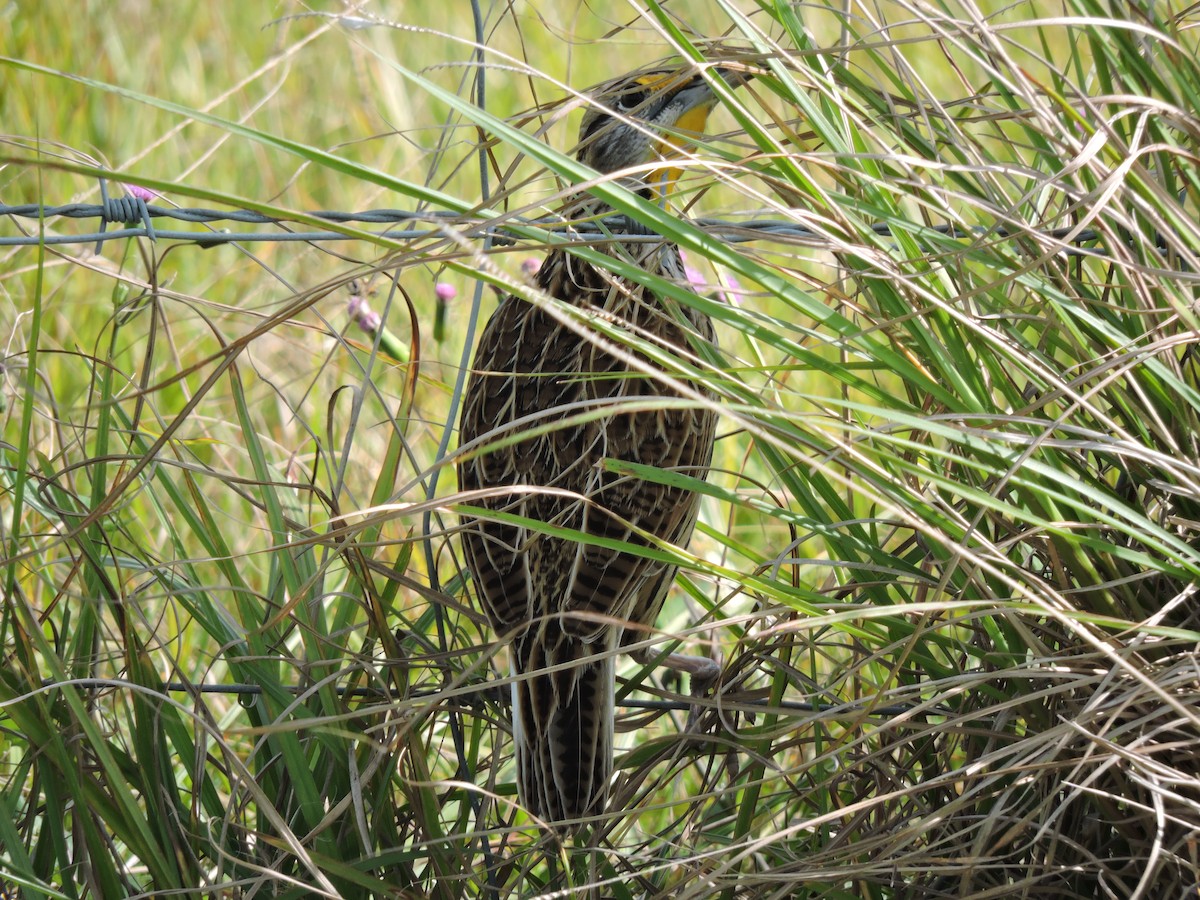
(570, 606)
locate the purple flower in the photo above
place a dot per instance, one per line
(369, 321)
(445, 292)
(140, 193)
(530, 265)
(362, 314)
(733, 288)
(693, 276)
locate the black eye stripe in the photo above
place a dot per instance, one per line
(632, 99)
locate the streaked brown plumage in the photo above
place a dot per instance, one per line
(564, 602)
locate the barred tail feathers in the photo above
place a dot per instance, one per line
(563, 722)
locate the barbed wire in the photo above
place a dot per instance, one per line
(130, 210)
(247, 691)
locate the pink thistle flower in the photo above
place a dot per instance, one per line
(369, 321)
(362, 314)
(733, 288)
(140, 193)
(693, 276)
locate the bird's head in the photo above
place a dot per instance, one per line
(646, 117)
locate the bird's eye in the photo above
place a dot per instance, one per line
(631, 100)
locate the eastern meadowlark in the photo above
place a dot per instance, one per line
(570, 606)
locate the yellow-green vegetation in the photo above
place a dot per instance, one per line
(946, 557)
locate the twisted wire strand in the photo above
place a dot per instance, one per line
(130, 210)
(246, 691)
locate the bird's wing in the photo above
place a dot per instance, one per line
(530, 369)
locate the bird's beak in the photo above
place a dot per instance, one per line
(696, 98)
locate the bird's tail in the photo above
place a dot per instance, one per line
(562, 722)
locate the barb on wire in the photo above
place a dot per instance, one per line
(130, 208)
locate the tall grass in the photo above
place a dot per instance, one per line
(946, 556)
